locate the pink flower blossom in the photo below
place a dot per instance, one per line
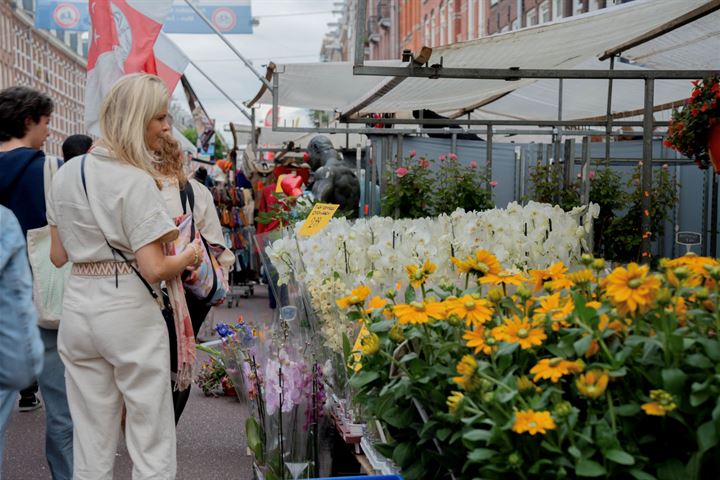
(452, 156)
(591, 175)
(473, 164)
(424, 163)
(401, 172)
(442, 158)
(579, 175)
(412, 153)
(493, 184)
(665, 166)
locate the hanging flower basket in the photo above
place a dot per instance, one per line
(695, 127)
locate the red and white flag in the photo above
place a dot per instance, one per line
(126, 38)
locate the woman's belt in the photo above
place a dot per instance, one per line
(102, 269)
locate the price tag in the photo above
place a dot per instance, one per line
(688, 238)
(278, 185)
(318, 219)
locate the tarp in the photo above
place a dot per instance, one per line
(569, 43)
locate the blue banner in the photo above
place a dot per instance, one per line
(227, 16)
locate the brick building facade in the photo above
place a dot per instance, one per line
(37, 59)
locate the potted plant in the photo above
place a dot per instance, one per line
(695, 127)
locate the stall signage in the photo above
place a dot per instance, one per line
(227, 17)
(318, 219)
(688, 238)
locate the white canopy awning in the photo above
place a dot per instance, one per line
(575, 42)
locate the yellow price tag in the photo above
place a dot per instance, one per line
(278, 185)
(318, 219)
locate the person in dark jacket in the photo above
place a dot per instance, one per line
(24, 118)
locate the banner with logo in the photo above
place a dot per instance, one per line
(228, 16)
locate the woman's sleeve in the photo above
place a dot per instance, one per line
(144, 217)
(207, 221)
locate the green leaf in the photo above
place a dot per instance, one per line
(698, 360)
(707, 436)
(381, 326)
(628, 410)
(410, 294)
(443, 434)
(673, 380)
(507, 348)
(550, 448)
(588, 468)
(362, 378)
(620, 456)
(408, 356)
(694, 466)
(672, 470)
(581, 346)
(575, 452)
(699, 398)
(404, 454)
(639, 475)
(254, 439)
(347, 350)
(712, 348)
(480, 454)
(477, 435)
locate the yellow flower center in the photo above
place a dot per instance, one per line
(532, 424)
(420, 307)
(591, 388)
(555, 362)
(419, 275)
(635, 283)
(469, 305)
(522, 333)
(355, 299)
(482, 267)
(490, 341)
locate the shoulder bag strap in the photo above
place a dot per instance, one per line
(115, 250)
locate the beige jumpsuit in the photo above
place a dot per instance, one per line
(112, 338)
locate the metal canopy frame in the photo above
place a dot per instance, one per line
(427, 126)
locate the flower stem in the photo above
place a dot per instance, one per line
(611, 409)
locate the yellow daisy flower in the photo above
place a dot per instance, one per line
(418, 275)
(375, 303)
(554, 368)
(474, 311)
(556, 308)
(466, 368)
(356, 297)
(662, 403)
(582, 277)
(481, 263)
(533, 422)
(481, 340)
(528, 334)
(453, 401)
(503, 278)
(554, 272)
(419, 313)
(593, 383)
(370, 344)
(632, 289)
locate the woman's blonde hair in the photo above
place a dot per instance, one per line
(171, 158)
(125, 114)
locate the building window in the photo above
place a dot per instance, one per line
(544, 12)
(531, 18)
(578, 7)
(443, 26)
(557, 9)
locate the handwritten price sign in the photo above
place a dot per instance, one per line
(318, 219)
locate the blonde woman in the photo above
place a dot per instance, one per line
(112, 339)
(172, 167)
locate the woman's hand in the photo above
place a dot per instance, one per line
(195, 254)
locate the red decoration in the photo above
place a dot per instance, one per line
(291, 186)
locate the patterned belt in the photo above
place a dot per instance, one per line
(102, 269)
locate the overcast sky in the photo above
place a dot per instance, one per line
(289, 31)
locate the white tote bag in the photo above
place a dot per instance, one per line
(48, 281)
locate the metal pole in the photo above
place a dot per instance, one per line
(569, 163)
(232, 47)
(704, 226)
(209, 79)
(276, 100)
(646, 171)
(253, 137)
(360, 27)
(585, 168)
(608, 114)
(489, 157)
(714, 216)
(453, 143)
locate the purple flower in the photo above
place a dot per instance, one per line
(223, 330)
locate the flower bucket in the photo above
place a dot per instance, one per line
(714, 144)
